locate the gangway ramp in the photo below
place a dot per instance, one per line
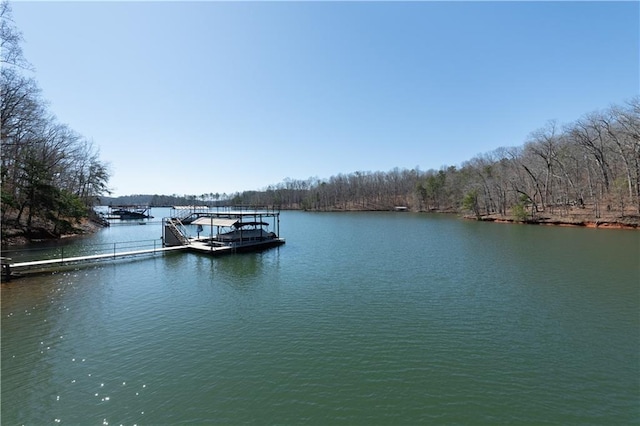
(61, 261)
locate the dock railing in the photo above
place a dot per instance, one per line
(48, 260)
(78, 250)
(177, 231)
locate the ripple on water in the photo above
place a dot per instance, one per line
(445, 324)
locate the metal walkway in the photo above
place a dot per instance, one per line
(9, 267)
(65, 260)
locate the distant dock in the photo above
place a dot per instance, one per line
(128, 212)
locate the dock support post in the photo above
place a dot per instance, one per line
(6, 268)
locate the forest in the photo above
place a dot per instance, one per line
(586, 171)
(51, 175)
(583, 172)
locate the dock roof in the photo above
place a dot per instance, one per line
(214, 221)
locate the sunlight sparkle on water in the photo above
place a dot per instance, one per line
(326, 315)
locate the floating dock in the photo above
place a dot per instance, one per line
(176, 238)
(228, 231)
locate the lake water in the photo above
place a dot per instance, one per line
(361, 318)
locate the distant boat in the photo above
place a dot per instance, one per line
(129, 212)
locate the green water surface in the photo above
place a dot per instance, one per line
(361, 318)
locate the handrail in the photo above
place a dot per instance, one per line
(62, 252)
(177, 229)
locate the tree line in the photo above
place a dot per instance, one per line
(590, 166)
(50, 174)
(156, 200)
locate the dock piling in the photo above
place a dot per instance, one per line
(6, 267)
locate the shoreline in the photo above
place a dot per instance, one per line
(602, 223)
(17, 237)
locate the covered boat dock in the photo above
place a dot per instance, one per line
(228, 231)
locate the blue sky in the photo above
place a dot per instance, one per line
(202, 97)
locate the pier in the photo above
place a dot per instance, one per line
(229, 232)
(68, 260)
(9, 267)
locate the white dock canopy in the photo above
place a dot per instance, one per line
(214, 221)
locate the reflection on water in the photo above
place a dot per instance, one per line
(360, 318)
